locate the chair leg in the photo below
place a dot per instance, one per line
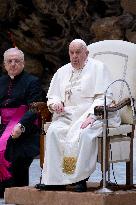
(129, 165)
(129, 174)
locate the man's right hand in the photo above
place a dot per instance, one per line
(58, 108)
(16, 132)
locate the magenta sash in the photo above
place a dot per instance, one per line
(14, 114)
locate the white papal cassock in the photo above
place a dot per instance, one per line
(71, 152)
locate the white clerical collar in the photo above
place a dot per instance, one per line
(12, 77)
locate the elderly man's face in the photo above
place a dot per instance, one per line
(78, 55)
(14, 63)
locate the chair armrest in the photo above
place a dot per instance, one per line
(99, 110)
(42, 109)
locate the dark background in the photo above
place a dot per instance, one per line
(43, 29)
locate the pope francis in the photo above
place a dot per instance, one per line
(71, 141)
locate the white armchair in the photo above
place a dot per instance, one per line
(120, 58)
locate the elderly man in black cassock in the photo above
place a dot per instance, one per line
(19, 133)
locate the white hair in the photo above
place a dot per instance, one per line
(10, 51)
(79, 41)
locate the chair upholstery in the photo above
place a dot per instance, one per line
(121, 130)
(120, 58)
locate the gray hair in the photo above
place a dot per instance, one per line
(12, 50)
(79, 41)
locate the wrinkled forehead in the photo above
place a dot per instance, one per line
(76, 46)
(13, 53)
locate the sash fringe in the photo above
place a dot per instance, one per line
(14, 119)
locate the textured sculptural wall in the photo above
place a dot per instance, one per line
(44, 28)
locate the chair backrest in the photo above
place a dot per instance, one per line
(120, 58)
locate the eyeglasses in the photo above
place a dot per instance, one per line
(16, 61)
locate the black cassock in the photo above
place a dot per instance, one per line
(22, 90)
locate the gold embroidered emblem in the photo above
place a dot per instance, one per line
(69, 164)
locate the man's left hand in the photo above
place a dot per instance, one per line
(89, 121)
